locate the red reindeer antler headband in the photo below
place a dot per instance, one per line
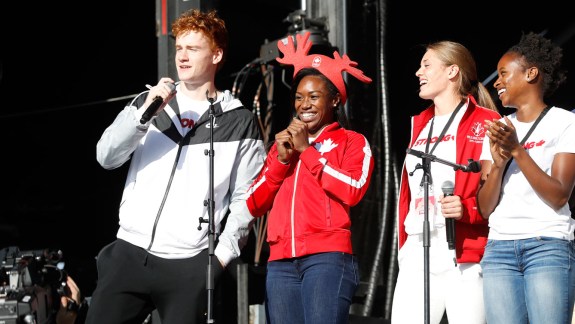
(332, 68)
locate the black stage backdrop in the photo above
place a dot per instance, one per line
(67, 68)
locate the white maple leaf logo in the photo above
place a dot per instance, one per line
(477, 129)
(326, 146)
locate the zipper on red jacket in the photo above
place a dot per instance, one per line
(293, 254)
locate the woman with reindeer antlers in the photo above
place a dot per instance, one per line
(314, 172)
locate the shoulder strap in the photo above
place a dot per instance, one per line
(541, 115)
(443, 131)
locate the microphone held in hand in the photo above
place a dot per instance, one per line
(153, 107)
(447, 188)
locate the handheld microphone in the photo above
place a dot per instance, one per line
(447, 188)
(158, 101)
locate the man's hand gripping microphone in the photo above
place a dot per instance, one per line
(155, 105)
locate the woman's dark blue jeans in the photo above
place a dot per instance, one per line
(313, 289)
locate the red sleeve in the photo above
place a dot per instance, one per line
(262, 192)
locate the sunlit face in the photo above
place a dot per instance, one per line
(313, 104)
(434, 76)
(511, 79)
(196, 63)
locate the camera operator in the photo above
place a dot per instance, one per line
(35, 288)
(73, 306)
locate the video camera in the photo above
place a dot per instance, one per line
(30, 285)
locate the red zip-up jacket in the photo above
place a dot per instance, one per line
(471, 230)
(310, 199)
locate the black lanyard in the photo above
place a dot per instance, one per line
(445, 128)
(440, 137)
(531, 129)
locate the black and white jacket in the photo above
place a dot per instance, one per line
(169, 176)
